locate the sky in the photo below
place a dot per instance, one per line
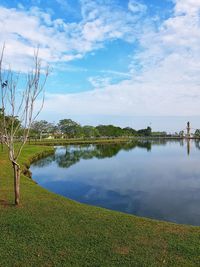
(125, 62)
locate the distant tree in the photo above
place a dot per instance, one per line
(163, 134)
(129, 131)
(148, 132)
(9, 121)
(197, 133)
(181, 133)
(42, 127)
(18, 111)
(70, 128)
(90, 131)
(109, 130)
(145, 132)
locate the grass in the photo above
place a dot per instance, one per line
(80, 141)
(50, 230)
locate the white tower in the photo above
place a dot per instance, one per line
(188, 129)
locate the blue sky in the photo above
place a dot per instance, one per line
(128, 62)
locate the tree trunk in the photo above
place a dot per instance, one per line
(16, 169)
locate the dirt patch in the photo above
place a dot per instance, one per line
(3, 161)
(123, 250)
(4, 203)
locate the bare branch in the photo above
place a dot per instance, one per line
(18, 110)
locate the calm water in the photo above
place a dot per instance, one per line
(158, 180)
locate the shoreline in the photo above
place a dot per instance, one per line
(74, 141)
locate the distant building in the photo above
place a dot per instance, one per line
(188, 130)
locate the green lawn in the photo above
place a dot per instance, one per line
(50, 230)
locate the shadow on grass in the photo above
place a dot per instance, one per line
(4, 203)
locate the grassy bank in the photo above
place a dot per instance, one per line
(50, 230)
(79, 141)
(114, 140)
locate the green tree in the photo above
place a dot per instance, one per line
(70, 128)
(197, 133)
(39, 128)
(109, 130)
(145, 132)
(90, 131)
(128, 131)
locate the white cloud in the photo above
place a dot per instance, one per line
(169, 58)
(126, 99)
(23, 30)
(107, 77)
(136, 7)
(99, 82)
(117, 73)
(168, 82)
(187, 6)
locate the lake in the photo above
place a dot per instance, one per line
(154, 179)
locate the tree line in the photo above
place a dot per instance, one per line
(67, 128)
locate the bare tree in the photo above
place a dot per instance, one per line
(1, 128)
(18, 110)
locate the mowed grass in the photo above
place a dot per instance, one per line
(50, 230)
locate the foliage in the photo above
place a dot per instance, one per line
(128, 131)
(109, 130)
(90, 131)
(164, 134)
(42, 127)
(70, 129)
(9, 123)
(145, 132)
(197, 133)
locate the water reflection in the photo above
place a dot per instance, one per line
(188, 147)
(157, 179)
(197, 143)
(68, 156)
